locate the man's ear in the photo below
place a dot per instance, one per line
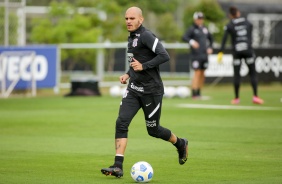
(141, 20)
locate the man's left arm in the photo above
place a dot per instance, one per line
(210, 38)
(156, 46)
(210, 46)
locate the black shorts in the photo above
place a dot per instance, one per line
(151, 106)
(248, 57)
(199, 64)
(131, 103)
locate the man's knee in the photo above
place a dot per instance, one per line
(121, 127)
(159, 132)
(153, 133)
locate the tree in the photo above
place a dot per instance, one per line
(167, 28)
(214, 17)
(63, 24)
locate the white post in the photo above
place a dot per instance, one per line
(6, 26)
(33, 80)
(100, 64)
(21, 13)
(3, 77)
(59, 71)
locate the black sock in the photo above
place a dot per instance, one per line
(118, 161)
(194, 92)
(199, 92)
(178, 143)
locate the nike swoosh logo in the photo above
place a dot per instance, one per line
(148, 104)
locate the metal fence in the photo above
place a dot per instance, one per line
(12, 22)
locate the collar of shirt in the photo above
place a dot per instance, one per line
(137, 31)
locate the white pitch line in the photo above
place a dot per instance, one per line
(206, 106)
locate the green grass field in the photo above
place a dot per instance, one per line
(64, 140)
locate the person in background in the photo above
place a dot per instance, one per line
(145, 90)
(200, 41)
(240, 30)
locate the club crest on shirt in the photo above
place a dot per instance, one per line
(134, 44)
(205, 30)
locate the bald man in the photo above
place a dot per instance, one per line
(145, 90)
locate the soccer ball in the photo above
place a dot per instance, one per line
(183, 91)
(169, 91)
(142, 172)
(115, 91)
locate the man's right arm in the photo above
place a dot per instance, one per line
(220, 53)
(128, 72)
(224, 39)
(188, 37)
(123, 78)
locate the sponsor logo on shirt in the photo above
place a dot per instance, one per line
(205, 30)
(140, 89)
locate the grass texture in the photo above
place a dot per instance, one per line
(67, 140)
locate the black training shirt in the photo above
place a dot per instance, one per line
(204, 38)
(146, 48)
(241, 35)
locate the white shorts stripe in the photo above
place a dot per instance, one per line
(155, 44)
(154, 111)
